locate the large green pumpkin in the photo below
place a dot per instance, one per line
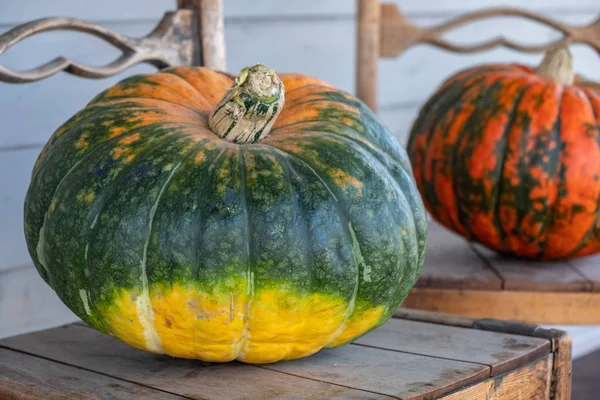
(190, 214)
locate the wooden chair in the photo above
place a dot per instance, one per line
(460, 277)
(191, 35)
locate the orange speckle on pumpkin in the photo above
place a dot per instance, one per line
(120, 152)
(342, 179)
(130, 139)
(116, 132)
(128, 159)
(81, 143)
(86, 197)
(200, 157)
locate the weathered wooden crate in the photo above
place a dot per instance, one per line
(415, 355)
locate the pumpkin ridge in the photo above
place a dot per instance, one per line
(500, 183)
(112, 188)
(454, 165)
(343, 216)
(346, 218)
(153, 340)
(367, 305)
(560, 176)
(374, 156)
(144, 296)
(249, 274)
(463, 149)
(590, 232)
(101, 146)
(446, 99)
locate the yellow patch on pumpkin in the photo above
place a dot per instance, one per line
(359, 322)
(262, 327)
(122, 319)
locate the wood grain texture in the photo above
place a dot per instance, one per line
(502, 352)
(170, 43)
(433, 317)
(562, 367)
(401, 375)
(25, 377)
(398, 34)
(531, 382)
(517, 274)
(450, 262)
(84, 347)
(367, 50)
(553, 308)
(589, 268)
(212, 32)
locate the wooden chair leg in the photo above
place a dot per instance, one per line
(211, 30)
(367, 51)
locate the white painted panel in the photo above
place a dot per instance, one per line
(324, 49)
(117, 10)
(15, 169)
(27, 304)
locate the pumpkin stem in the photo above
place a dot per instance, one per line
(250, 107)
(557, 65)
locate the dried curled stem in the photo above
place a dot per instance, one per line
(249, 108)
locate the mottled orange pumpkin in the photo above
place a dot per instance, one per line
(509, 156)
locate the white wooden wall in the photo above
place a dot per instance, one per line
(310, 36)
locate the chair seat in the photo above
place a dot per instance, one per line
(467, 279)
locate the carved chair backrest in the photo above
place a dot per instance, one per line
(191, 35)
(382, 31)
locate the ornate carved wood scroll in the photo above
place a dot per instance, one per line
(382, 31)
(397, 33)
(172, 42)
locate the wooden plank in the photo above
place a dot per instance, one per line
(588, 268)
(531, 307)
(538, 276)
(531, 382)
(153, 9)
(502, 352)
(401, 375)
(562, 346)
(433, 317)
(26, 377)
(451, 263)
(368, 23)
(28, 304)
(84, 347)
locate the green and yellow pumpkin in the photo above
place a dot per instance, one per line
(190, 214)
(509, 156)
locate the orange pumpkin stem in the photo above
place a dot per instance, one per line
(557, 65)
(249, 109)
